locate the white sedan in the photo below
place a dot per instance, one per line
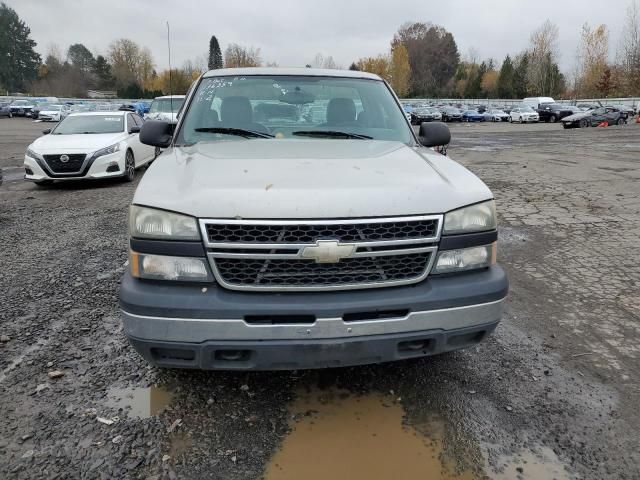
(89, 145)
(53, 113)
(523, 115)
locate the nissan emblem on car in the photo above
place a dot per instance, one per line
(64, 158)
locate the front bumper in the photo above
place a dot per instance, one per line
(95, 169)
(184, 326)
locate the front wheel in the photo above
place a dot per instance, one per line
(584, 123)
(510, 120)
(620, 121)
(129, 167)
(521, 120)
(553, 119)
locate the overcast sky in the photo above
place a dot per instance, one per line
(291, 32)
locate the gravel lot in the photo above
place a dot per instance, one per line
(553, 394)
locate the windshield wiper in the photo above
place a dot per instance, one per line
(331, 133)
(241, 132)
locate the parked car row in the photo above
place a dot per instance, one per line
(534, 109)
(51, 109)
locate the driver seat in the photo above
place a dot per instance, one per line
(236, 112)
(341, 111)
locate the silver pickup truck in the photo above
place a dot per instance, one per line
(295, 220)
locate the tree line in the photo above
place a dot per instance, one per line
(423, 60)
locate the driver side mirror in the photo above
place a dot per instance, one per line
(134, 129)
(46, 131)
(156, 133)
(434, 134)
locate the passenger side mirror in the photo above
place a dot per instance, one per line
(156, 133)
(434, 134)
(46, 131)
(134, 129)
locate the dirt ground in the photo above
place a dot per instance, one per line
(554, 393)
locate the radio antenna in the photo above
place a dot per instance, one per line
(170, 86)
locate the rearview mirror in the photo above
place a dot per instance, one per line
(46, 131)
(134, 129)
(156, 133)
(434, 134)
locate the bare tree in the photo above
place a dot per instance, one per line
(629, 50)
(238, 56)
(593, 60)
(543, 58)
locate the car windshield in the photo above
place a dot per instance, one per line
(166, 105)
(51, 107)
(285, 107)
(20, 102)
(90, 124)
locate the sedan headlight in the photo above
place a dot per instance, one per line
(451, 261)
(475, 218)
(32, 154)
(161, 225)
(107, 151)
(163, 267)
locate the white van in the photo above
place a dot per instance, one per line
(534, 102)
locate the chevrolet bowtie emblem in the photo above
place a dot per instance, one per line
(328, 251)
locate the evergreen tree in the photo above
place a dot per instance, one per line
(520, 83)
(505, 79)
(353, 66)
(18, 60)
(215, 54)
(102, 71)
(81, 58)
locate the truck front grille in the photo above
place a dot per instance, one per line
(72, 165)
(309, 233)
(281, 255)
(303, 273)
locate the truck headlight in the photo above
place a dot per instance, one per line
(451, 261)
(475, 218)
(147, 222)
(162, 267)
(107, 151)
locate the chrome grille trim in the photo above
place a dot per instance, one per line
(412, 246)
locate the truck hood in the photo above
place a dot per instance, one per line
(307, 178)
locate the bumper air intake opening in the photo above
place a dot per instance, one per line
(417, 346)
(279, 319)
(113, 168)
(377, 315)
(173, 354)
(232, 355)
(28, 171)
(465, 339)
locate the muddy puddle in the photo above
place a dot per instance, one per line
(541, 465)
(336, 435)
(139, 402)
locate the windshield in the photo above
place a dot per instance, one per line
(291, 107)
(50, 107)
(166, 105)
(20, 102)
(90, 124)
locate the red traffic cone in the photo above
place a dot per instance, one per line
(638, 119)
(603, 125)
